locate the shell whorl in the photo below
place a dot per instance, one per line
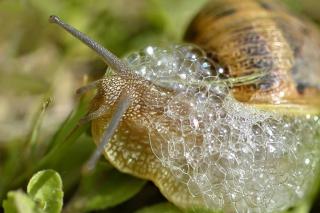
(262, 37)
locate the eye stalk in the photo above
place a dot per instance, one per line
(111, 60)
(124, 100)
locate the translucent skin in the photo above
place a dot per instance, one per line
(253, 37)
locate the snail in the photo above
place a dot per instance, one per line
(227, 122)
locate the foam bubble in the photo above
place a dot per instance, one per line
(236, 157)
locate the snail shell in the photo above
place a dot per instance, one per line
(262, 39)
(230, 126)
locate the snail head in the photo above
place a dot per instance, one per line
(123, 95)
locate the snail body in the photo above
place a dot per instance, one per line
(230, 126)
(202, 147)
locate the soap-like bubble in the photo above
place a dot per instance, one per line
(237, 158)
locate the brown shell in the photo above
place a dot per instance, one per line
(260, 37)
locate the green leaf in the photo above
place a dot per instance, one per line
(105, 188)
(19, 202)
(160, 208)
(45, 188)
(170, 208)
(11, 164)
(60, 144)
(302, 208)
(69, 126)
(32, 143)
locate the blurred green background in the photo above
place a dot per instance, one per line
(40, 62)
(36, 57)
